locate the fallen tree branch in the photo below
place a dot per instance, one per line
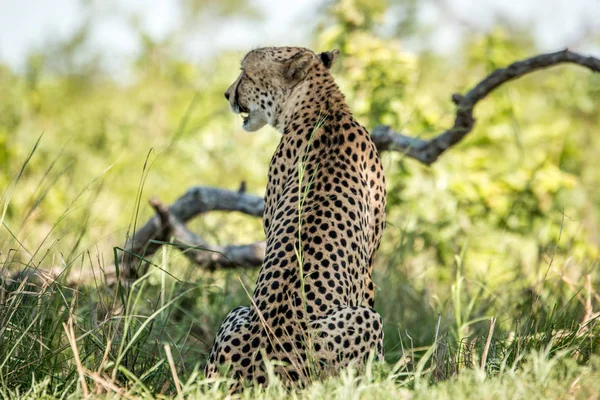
(428, 151)
(197, 250)
(170, 222)
(196, 201)
(168, 226)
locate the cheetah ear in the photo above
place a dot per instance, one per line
(298, 65)
(328, 57)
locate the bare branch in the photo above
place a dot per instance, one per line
(197, 200)
(428, 151)
(197, 250)
(169, 225)
(170, 222)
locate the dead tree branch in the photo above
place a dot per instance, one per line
(170, 222)
(197, 250)
(428, 151)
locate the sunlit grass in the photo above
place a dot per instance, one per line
(151, 337)
(488, 232)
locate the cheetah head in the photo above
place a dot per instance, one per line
(267, 80)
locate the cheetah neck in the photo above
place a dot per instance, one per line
(312, 99)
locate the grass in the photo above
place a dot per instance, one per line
(151, 338)
(302, 193)
(303, 167)
(56, 365)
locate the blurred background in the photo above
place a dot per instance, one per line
(104, 104)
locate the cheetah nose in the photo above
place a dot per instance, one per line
(227, 95)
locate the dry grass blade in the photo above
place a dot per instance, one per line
(173, 371)
(70, 332)
(105, 355)
(108, 385)
(488, 342)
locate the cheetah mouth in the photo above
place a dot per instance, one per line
(252, 119)
(243, 111)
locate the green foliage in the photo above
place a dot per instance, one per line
(505, 224)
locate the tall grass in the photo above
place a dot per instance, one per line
(151, 337)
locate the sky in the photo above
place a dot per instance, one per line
(26, 25)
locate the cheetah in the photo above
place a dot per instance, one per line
(312, 308)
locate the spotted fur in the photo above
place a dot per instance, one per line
(312, 306)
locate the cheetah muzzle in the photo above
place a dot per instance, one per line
(324, 218)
